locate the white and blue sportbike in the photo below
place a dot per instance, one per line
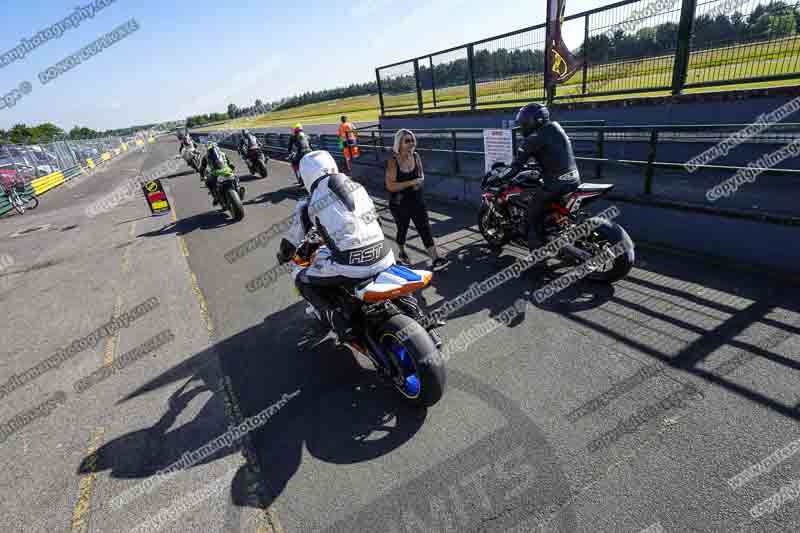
(400, 348)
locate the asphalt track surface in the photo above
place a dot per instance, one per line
(514, 445)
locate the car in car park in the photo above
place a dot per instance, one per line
(17, 169)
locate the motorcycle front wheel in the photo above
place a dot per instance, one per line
(495, 236)
(33, 202)
(420, 374)
(262, 169)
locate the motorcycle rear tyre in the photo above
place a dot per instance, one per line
(420, 347)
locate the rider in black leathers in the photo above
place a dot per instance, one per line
(299, 146)
(247, 142)
(547, 143)
(186, 143)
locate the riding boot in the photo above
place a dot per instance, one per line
(334, 318)
(340, 325)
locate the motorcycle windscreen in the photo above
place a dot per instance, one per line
(393, 282)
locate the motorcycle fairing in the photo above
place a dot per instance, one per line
(586, 193)
(395, 281)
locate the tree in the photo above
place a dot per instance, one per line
(738, 23)
(232, 110)
(46, 132)
(646, 42)
(77, 133)
(646, 34)
(19, 134)
(667, 36)
(781, 26)
(761, 18)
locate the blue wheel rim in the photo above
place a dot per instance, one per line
(412, 386)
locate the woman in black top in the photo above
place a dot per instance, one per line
(404, 179)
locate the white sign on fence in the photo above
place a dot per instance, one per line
(497, 147)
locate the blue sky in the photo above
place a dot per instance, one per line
(196, 57)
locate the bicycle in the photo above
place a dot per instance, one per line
(16, 200)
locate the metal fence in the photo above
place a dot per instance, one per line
(29, 162)
(645, 163)
(626, 48)
(38, 168)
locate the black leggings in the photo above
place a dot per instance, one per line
(406, 212)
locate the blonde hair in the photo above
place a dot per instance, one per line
(398, 137)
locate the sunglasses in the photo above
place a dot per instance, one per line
(410, 141)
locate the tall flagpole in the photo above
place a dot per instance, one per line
(552, 6)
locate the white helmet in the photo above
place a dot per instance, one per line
(316, 165)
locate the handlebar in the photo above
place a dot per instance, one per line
(308, 248)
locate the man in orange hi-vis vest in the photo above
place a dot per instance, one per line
(348, 139)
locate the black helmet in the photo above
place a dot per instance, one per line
(532, 117)
(245, 132)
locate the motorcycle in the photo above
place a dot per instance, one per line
(399, 347)
(256, 161)
(503, 219)
(229, 194)
(192, 158)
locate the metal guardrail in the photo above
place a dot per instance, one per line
(30, 162)
(459, 155)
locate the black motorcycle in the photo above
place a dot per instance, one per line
(503, 219)
(400, 348)
(229, 193)
(256, 160)
(192, 158)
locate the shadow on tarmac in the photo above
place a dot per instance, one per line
(342, 415)
(276, 197)
(202, 221)
(187, 172)
(340, 408)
